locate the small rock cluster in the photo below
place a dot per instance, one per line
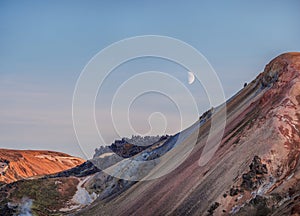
(251, 179)
(212, 208)
(234, 191)
(255, 176)
(206, 115)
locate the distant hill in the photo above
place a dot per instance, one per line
(20, 164)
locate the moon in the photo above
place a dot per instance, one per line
(191, 78)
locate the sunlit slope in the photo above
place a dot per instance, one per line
(19, 164)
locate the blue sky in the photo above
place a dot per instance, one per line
(44, 45)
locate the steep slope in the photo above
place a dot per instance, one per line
(20, 164)
(255, 171)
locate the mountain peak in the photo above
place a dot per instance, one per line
(284, 63)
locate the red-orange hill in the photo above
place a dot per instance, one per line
(28, 163)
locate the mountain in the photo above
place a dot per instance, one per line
(20, 164)
(254, 171)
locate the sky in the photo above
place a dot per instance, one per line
(44, 46)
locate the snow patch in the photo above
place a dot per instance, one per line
(287, 198)
(236, 208)
(60, 159)
(23, 208)
(81, 198)
(265, 187)
(106, 154)
(290, 176)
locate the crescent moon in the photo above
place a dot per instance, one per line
(191, 78)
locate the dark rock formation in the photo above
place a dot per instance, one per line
(255, 176)
(212, 208)
(85, 169)
(128, 147)
(234, 191)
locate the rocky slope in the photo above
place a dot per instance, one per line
(20, 164)
(255, 170)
